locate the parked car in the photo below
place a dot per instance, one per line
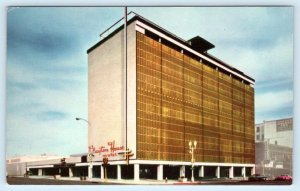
(284, 177)
(257, 177)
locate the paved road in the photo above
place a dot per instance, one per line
(43, 181)
(267, 182)
(225, 182)
(36, 181)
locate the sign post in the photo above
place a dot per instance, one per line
(127, 154)
(105, 165)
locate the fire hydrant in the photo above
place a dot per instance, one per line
(166, 179)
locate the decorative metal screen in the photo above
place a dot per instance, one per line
(181, 99)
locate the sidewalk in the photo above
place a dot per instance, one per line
(139, 182)
(132, 182)
(114, 181)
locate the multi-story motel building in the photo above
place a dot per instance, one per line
(168, 92)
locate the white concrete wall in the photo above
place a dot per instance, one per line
(73, 160)
(16, 166)
(44, 162)
(284, 138)
(22, 159)
(131, 91)
(17, 169)
(105, 92)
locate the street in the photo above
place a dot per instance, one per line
(44, 181)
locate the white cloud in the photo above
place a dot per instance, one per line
(272, 101)
(263, 64)
(27, 136)
(25, 105)
(256, 40)
(72, 98)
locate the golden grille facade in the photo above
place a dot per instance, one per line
(181, 99)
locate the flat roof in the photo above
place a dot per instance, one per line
(185, 43)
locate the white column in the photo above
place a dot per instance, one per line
(70, 172)
(182, 171)
(201, 171)
(231, 172)
(136, 172)
(119, 172)
(244, 172)
(218, 172)
(40, 172)
(90, 171)
(253, 170)
(101, 172)
(160, 172)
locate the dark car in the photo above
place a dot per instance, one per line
(257, 177)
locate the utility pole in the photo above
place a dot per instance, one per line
(125, 77)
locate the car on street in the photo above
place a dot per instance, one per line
(257, 177)
(284, 177)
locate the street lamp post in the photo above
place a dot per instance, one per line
(89, 124)
(192, 146)
(90, 155)
(78, 118)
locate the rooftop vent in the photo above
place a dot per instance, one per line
(200, 44)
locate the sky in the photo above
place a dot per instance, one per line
(47, 64)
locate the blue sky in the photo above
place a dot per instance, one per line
(47, 64)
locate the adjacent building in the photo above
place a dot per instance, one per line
(17, 166)
(168, 92)
(279, 132)
(273, 160)
(274, 147)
